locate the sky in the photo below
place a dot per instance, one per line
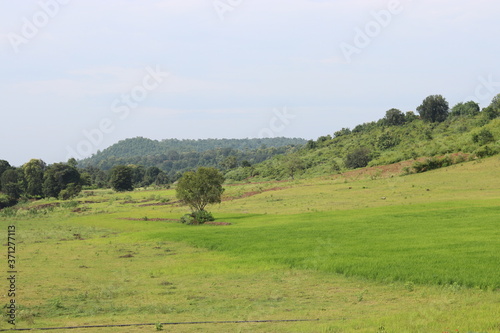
(77, 76)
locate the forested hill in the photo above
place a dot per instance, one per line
(174, 156)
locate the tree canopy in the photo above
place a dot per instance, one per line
(394, 117)
(121, 178)
(61, 177)
(201, 188)
(434, 109)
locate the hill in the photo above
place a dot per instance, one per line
(175, 156)
(379, 143)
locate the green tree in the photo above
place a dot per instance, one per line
(138, 173)
(342, 132)
(201, 188)
(11, 183)
(150, 175)
(311, 144)
(4, 165)
(434, 109)
(410, 116)
(33, 175)
(394, 117)
(229, 162)
(493, 110)
(293, 164)
(468, 109)
(121, 178)
(359, 158)
(162, 179)
(246, 164)
(58, 177)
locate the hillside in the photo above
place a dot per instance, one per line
(175, 156)
(377, 143)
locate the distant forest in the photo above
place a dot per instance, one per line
(174, 157)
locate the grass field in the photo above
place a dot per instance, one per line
(367, 251)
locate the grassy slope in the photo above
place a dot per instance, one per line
(405, 261)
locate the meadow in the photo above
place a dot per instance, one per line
(365, 251)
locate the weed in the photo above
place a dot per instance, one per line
(410, 286)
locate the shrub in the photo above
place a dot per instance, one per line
(6, 201)
(203, 216)
(358, 158)
(483, 137)
(187, 219)
(198, 217)
(435, 163)
(387, 140)
(485, 151)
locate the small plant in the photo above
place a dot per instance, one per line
(381, 329)
(410, 286)
(361, 295)
(159, 326)
(187, 219)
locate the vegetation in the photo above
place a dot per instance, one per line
(121, 178)
(434, 108)
(423, 259)
(174, 157)
(395, 138)
(199, 189)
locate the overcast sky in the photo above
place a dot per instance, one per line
(80, 75)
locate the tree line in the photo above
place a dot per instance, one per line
(36, 180)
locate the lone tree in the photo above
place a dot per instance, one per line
(201, 188)
(434, 109)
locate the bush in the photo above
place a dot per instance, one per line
(485, 151)
(187, 219)
(198, 217)
(483, 137)
(203, 216)
(434, 163)
(358, 158)
(6, 201)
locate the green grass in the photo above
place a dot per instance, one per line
(329, 248)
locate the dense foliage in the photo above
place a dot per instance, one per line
(174, 157)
